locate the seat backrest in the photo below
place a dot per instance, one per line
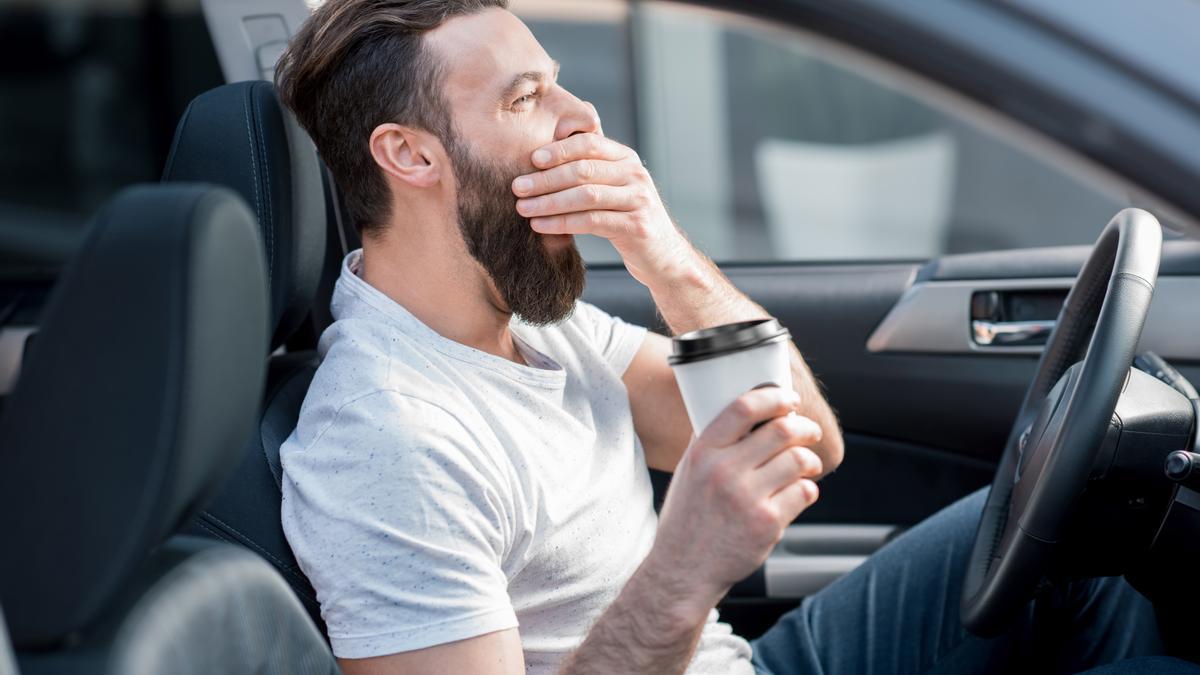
(246, 509)
(197, 607)
(141, 385)
(237, 135)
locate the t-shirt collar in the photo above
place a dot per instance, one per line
(352, 295)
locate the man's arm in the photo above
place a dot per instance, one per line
(733, 494)
(735, 490)
(496, 653)
(592, 185)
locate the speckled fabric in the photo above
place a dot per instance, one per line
(433, 492)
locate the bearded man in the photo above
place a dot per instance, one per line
(467, 488)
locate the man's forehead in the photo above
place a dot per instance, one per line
(483, 51)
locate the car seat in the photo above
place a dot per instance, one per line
(239, 136)
(137, 394)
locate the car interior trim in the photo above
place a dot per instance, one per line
(933, 317)
(810, 557)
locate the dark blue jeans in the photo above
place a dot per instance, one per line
(898, 613)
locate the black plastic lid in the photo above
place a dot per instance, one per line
(708, 343)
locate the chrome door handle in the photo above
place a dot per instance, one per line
(1011, 333)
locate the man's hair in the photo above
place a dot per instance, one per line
(356, 64)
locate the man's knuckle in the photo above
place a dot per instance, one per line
(811, 494)
(782, 431)
(742, 408)
(806, 429)
(799, 461)
(592, 195)
(807, 462)
(585, 170)
(818, 434)
(764, 520)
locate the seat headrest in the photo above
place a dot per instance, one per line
(136, 398)
(239, 136)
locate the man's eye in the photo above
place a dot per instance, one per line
(527, 98)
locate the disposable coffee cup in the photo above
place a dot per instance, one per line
(714, 366)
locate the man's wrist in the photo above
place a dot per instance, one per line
(681, 602)
(652, 627)
(687, 271)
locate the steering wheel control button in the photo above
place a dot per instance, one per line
(1022, 445)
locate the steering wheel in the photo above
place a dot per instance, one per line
(1062, 422)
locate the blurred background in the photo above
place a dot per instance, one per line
(767, 144)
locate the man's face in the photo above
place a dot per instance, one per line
(535, 281)
(504, 104)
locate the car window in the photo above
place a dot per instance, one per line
(90, 91)
(592, 42)
(769, 144)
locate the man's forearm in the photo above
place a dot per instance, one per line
(696, 294)
(648, 629)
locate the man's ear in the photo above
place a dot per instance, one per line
(405, 154)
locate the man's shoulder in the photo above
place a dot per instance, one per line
(377, 371)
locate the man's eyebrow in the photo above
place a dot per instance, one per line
(527, 76)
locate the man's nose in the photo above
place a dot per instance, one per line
(578, 117)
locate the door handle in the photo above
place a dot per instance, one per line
(1011, 333)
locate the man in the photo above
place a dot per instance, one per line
(467, 486)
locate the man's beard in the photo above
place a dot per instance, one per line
(537, 285)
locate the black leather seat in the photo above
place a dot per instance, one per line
(141, 387)
(239, 136)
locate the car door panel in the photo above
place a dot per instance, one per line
(923, 425)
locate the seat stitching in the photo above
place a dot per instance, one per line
(254, 172)
(270, 211)
(215, 532)
(248, 541)
(176, 142)
(244, 540)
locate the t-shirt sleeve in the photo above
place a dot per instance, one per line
(398, 519)
(617, 340)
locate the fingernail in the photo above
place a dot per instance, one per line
(541, 156)
(523, 184)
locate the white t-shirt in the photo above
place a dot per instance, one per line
(433, 492)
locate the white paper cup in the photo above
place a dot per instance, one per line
(714, 366)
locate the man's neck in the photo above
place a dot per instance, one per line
(453, 298)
